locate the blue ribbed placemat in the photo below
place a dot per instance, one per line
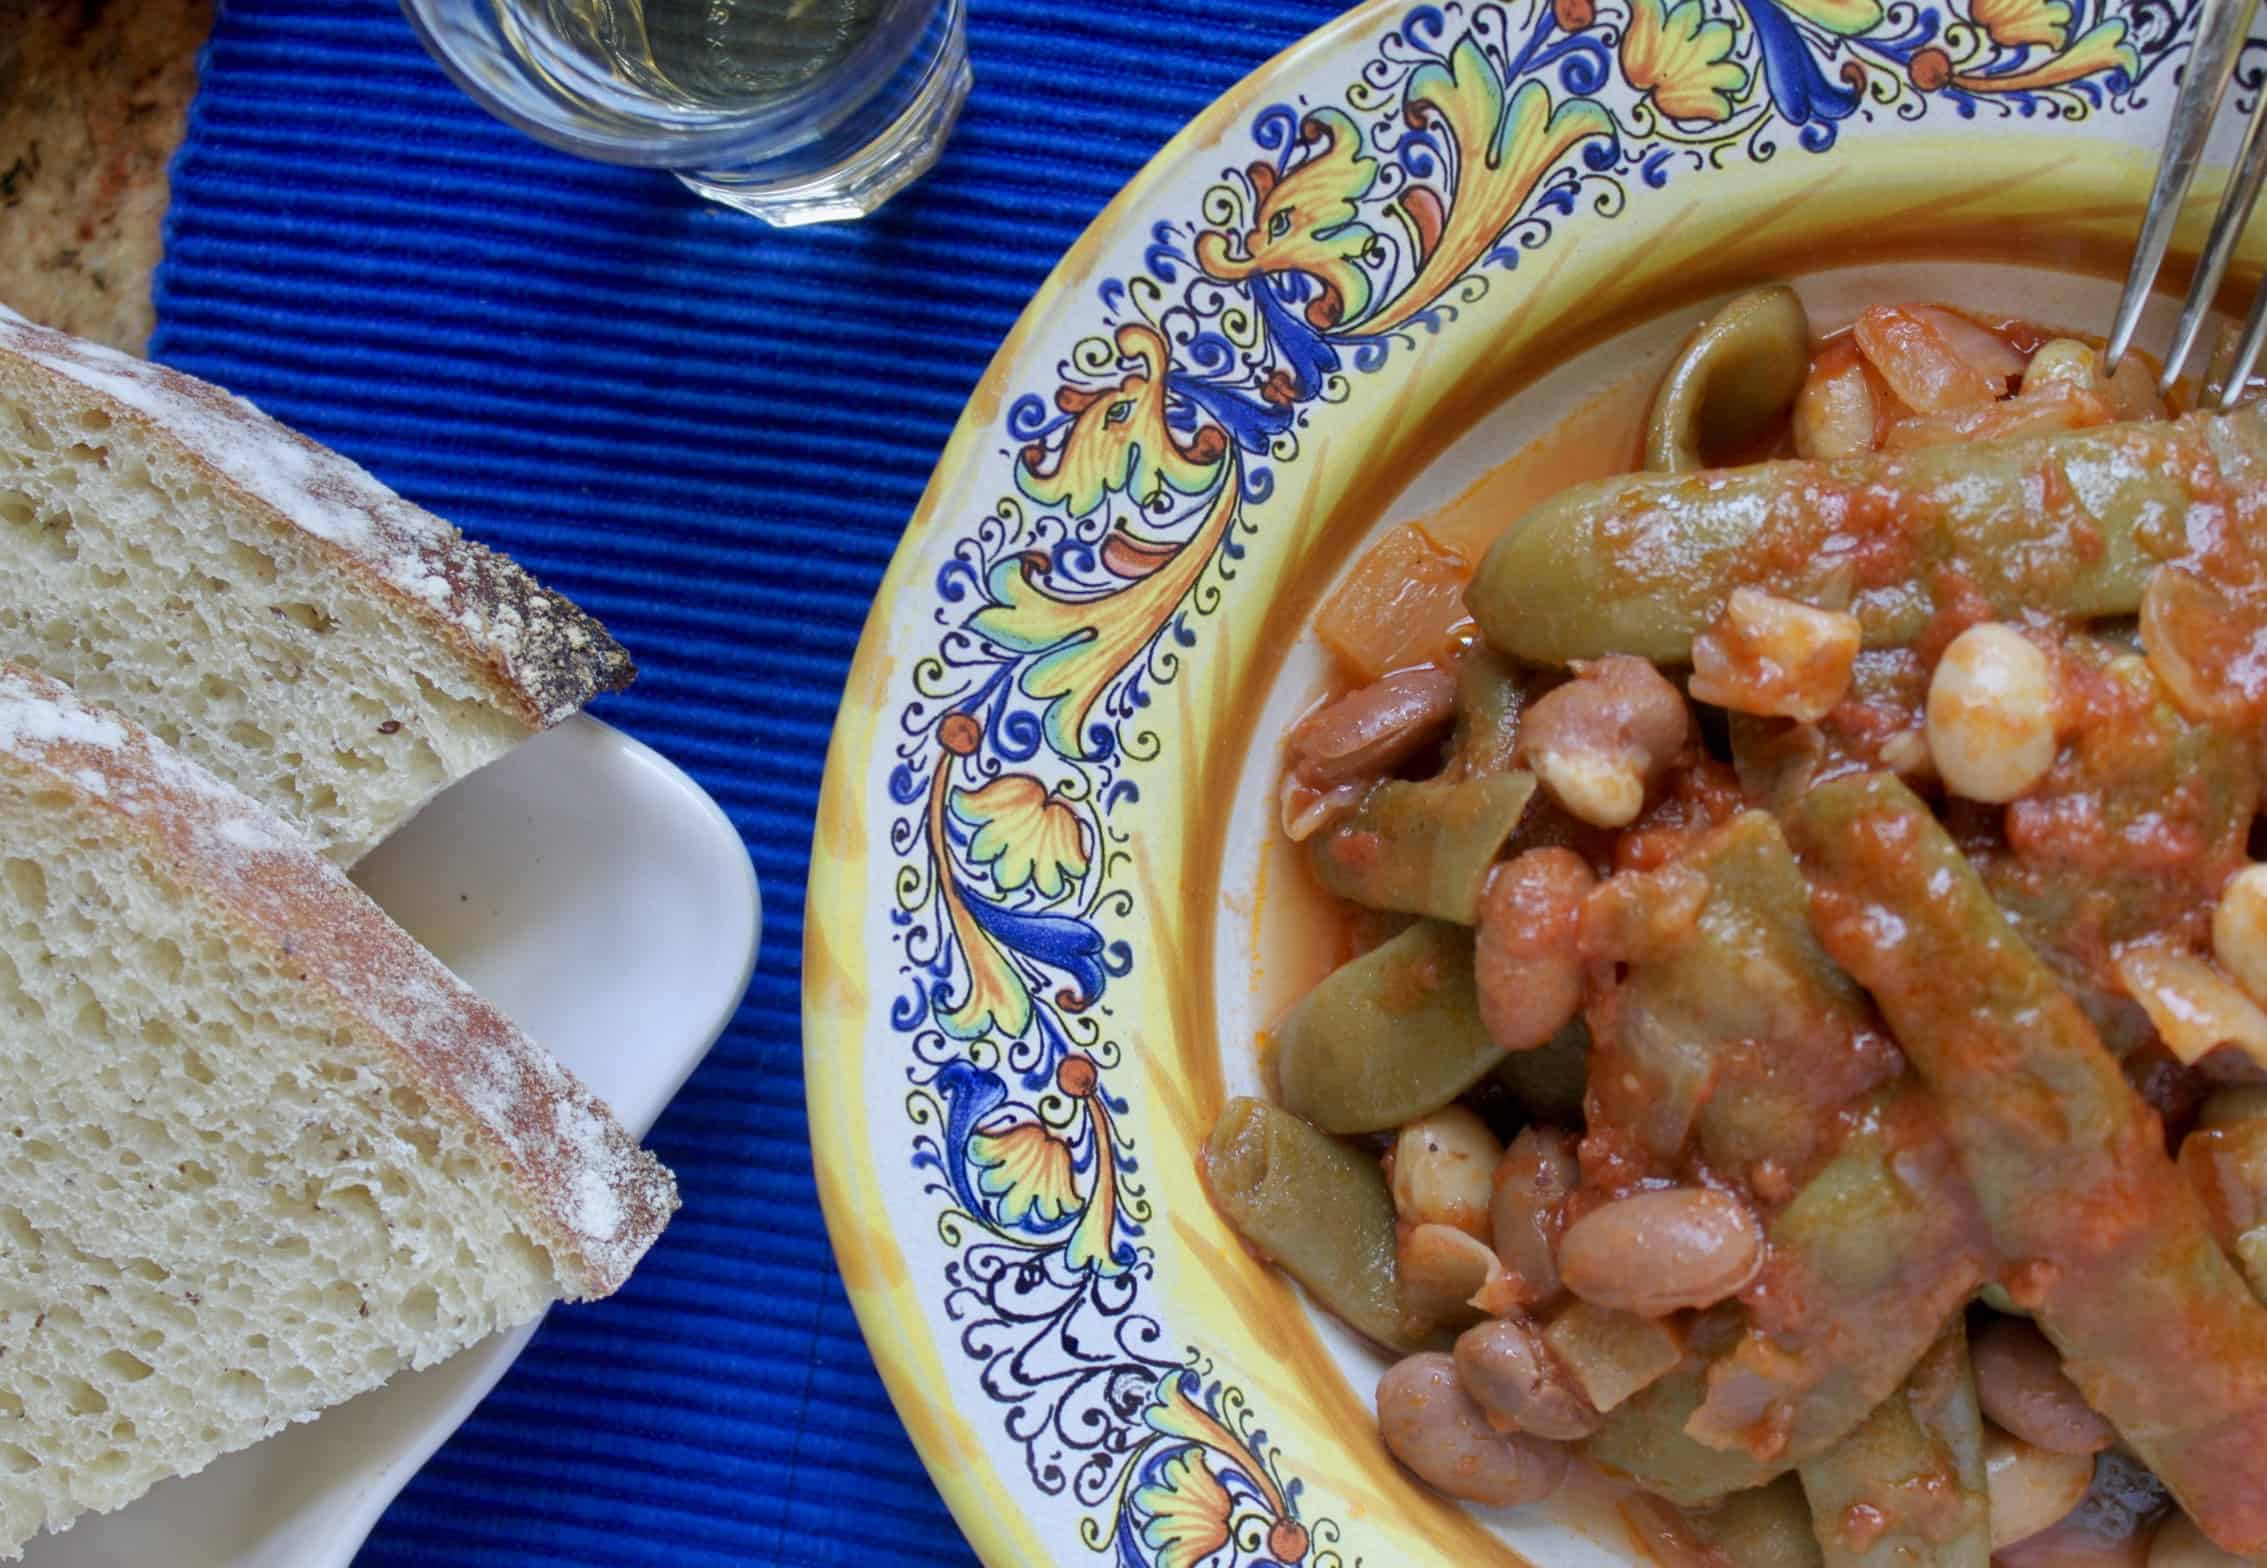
(711, 434)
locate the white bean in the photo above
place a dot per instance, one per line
(2030, 1488)
(1372, 727)
(2130, 392)
(1436, 1429)
(1444, 1167)
(1440, 1269)
(1598, 741)
(1775, 657)
(2239, 929)
(1604, 790)
(1991, 714)
(1336, 752)
(2195, 1008)
(2065, 360)
(1835, 412)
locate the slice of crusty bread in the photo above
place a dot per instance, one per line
(260, 602)
(258, 1149)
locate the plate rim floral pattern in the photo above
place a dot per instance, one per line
(1360, 220)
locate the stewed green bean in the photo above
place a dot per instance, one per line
(2068, 1164)
(1548, 1083)
(1766, 1527)
(1388, 1037)
(1730, 384)
(1422, 848)
(1865, 1265)
(1739, 1036)
(1644, 1437)
(1491, 696)
(2057, 523)
(1319, 1209)
(1906, 1489)
(2138, 770)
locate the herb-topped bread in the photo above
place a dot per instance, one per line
(260, 602)
(258, 1149)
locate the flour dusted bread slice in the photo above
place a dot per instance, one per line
(260, 602)
(258, 1149)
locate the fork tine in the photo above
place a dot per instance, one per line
(2246, 351)
(2219, 35)
(2236, 205)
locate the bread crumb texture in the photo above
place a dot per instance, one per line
(258, 1150)
(260, 602)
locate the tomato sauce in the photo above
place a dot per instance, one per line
(2145, 813)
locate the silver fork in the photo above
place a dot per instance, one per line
(2220, 32)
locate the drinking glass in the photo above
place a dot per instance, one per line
(798, 111)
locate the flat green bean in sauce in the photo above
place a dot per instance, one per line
(1387, 1038)
(1729, 1045)
(1319, 1209)
(2137, 774)
(1906, 1488)
(1866, 1265)
(1764, 1527)
(1643, 1439)
(1548, 1083)
(1834, 919)
(1733, 385)
(1491, 694)
(1423, 847)
(2111, 1252)
(2050, 523)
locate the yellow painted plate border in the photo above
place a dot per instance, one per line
(1261, 1453)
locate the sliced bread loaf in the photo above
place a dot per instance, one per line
(258, 1149)
(260, 602)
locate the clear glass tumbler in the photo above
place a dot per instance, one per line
(798, 111)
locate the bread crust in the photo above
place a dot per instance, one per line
(592, 1195)
(535, 652)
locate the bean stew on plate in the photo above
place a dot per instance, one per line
(1806, 1055)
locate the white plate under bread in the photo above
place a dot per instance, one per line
(595, 893)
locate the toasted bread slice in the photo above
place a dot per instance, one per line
(261, 603)
(258, 1149)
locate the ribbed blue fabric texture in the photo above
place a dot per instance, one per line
(711, 434)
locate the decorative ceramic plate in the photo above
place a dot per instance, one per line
(598, 895)
(1047, 917)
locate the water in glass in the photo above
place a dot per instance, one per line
(714, 54)
(795, 110)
